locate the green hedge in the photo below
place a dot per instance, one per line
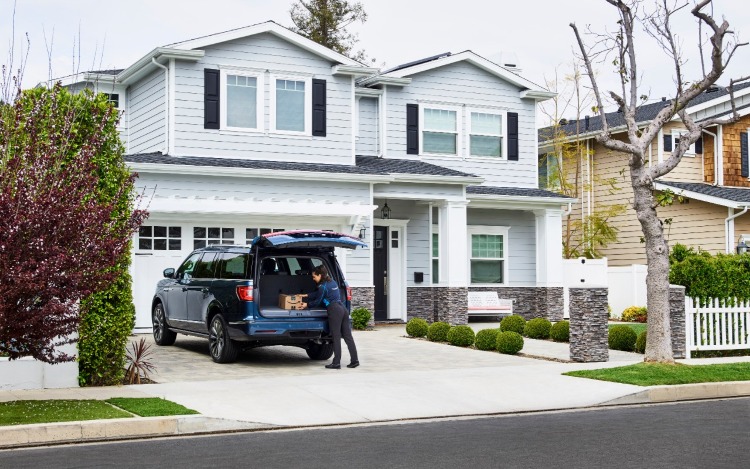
(461, 336)
(710, 276)
(360, 318)
(486, 339)
(417, 327)
(438, 331)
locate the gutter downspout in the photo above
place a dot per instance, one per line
(716, 156)
(727, 220)
(166, 104)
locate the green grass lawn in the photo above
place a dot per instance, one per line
(652, 374)
(638, 327)
(28, 412)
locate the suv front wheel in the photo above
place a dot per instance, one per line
(319, 351)
(221, 347)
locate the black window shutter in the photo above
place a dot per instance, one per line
(512, 136)
(699, 145)
(667, 142)
(318, 107)
(412, 129)
(743, 153)
(211, 94)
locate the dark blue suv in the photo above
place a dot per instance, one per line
(230, 294)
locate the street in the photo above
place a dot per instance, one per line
(705, 434)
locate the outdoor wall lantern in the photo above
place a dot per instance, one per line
(385, 213)
(741, 246)
(362, 232)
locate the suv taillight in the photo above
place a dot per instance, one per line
(245, 293)
(348, 293)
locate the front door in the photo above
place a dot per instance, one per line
(380, 272)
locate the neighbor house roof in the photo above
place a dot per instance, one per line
(733, 197)
(645, 113)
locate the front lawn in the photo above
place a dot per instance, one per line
(71, 410)
(653, 374)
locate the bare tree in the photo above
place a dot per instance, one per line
(722, 45)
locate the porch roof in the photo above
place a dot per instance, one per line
(733, 197)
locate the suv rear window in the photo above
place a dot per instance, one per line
(235, 265)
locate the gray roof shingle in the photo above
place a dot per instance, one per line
(399, 166)
(514, 192)
(734, 194)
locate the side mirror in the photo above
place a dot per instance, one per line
(169, 273)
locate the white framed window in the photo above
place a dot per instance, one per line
(487, 133)
(252, 233)
(676, 135)
(203, 236)
(242, 100)
(291, 104)
(439, 128)
(159, 238)
(488, 255)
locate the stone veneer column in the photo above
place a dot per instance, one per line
(452, 306)
(364, 297)
(420, 303)
(677, 319)
(589, 331)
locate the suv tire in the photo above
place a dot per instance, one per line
(319, 351)
(220, 346)
(162, 334)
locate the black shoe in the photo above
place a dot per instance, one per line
(353, 365)
(333, 366)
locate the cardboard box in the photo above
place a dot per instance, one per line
(291, 301)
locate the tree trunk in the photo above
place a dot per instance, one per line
(659, 343)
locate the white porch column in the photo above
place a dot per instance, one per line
(549, 254)
(453, 245)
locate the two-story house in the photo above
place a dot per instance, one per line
(711, 179)
(433, 163)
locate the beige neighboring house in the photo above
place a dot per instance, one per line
(712, 177)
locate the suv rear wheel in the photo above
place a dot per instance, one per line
(221, 347)
(162, 334)
(319, 351)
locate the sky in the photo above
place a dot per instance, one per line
(534, 34)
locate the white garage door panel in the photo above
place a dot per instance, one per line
(147, 271)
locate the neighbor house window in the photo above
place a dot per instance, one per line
(252, 233)
(291, 105)
(488, 255)
(440, 131)
(159, 238)
(548, 171)
(203, 236)
(113, 98)
(486, 134)
(242, 102)
(676, 135)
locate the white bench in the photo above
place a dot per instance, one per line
(487, 303)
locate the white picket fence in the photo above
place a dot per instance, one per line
(717, 325)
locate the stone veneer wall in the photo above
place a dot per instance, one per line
(364, 297)
(432, 304)
(532, 302)
(677, 319)
(589, 330)
(420, 303)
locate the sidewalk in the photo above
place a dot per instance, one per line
(400, 378)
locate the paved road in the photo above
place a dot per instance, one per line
(708, 434)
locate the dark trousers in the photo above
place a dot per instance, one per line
(338, 322)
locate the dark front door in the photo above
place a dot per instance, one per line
(380, 272)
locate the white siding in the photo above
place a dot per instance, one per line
(421, 191)
(522, 241)
(275, 56)
(465, 85)
(146, 114)
(368, 127)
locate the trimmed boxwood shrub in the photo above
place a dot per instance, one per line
(509, 342)
(461, 336)
(360, 318)
(438, 331)
(560, 331)
(514, 323)
(622, 337)
(634, 314)
(640, 343)
(417, 327)
(537, 328)
(486, 339)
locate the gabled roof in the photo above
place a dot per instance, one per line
(733, 197)
(266, 27)
(643, 114)
(404, 71)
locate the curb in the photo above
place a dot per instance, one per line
(684, 392)
(116, 429)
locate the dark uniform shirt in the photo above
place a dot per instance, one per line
(327, 293)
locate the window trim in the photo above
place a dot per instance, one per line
(442, 107)
(435, 231)
(676, 135)
(308, 103)
(489, 230)
(503, 113)
(259, 99)
(153, 238)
